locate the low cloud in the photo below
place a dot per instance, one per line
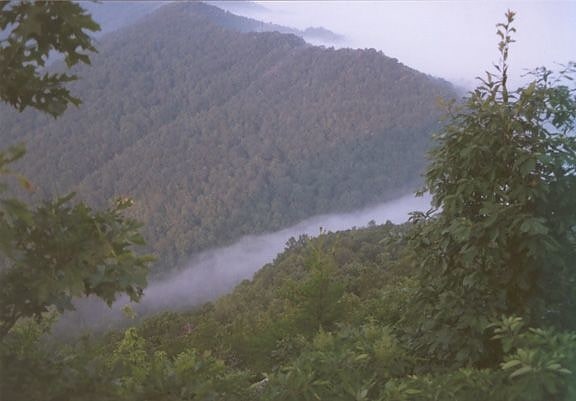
(217, 271)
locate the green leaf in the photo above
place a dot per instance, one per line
(521, 372)
(17, 210)
(534, 226)
(528, 166)
(511, 364)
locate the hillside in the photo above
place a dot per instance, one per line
(349, 277)
(238, 7)
(314, 35)
(114, 15)
(217, 133)
(471, 300)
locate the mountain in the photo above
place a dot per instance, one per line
(318, 284)
(320, 34)
(314, 35)
(217, 132)
(114, 15)
(238, 7)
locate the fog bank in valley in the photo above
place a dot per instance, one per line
(215, 272)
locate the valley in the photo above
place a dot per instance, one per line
(218, 134)
(197, 205)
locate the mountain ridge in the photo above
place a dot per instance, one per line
(219, 134)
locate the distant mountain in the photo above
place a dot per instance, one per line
(238, 6)
(217, 132)
(322, 34)
(244, 24)
(114, 15)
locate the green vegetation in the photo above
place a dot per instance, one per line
(218, 134)
(36, 29)
(57, 250)
(504, 179)
(471, 301)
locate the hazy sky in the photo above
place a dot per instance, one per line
(454, 39)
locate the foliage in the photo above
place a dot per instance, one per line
(141, 375)
(515, 221)
(31, 30)
(24, 364)
(34, 371)
(534, 368)
(56, 251)
(473, 303)
(213, 145)
(316, 299)
(346, 365)
(503, 182)
(539, 363)
(176, 355)
(265, 323)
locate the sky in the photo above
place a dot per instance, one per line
(454, 39)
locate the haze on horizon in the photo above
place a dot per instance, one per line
(454, 39)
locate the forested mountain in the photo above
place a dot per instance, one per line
(329, 319)
(244, 24)
(114, 15)
(238, 7)
(471, 300)
(218, 133)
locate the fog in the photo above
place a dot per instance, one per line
(215, 272)
(455, 40)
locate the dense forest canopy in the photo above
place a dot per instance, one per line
(216, 134)
(472, 300)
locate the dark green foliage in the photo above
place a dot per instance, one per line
(57, 251)
(265, 323)
(218, 134)
(503, 181)
(347, 365)
(365, 355)
(249, 346)
(127, 371)
(141, 375)
(317, 300)
(33, 30)
(534, 368)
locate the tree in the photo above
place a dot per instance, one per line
(500, 239)
(58, 250)
(318, 298)
(36, 29)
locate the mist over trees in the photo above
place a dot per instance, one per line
(472, 300)
(218, 134)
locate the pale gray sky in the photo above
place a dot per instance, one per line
(452, 39)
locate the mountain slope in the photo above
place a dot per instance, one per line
(217, 133)
(314, 35)
(114, 15)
